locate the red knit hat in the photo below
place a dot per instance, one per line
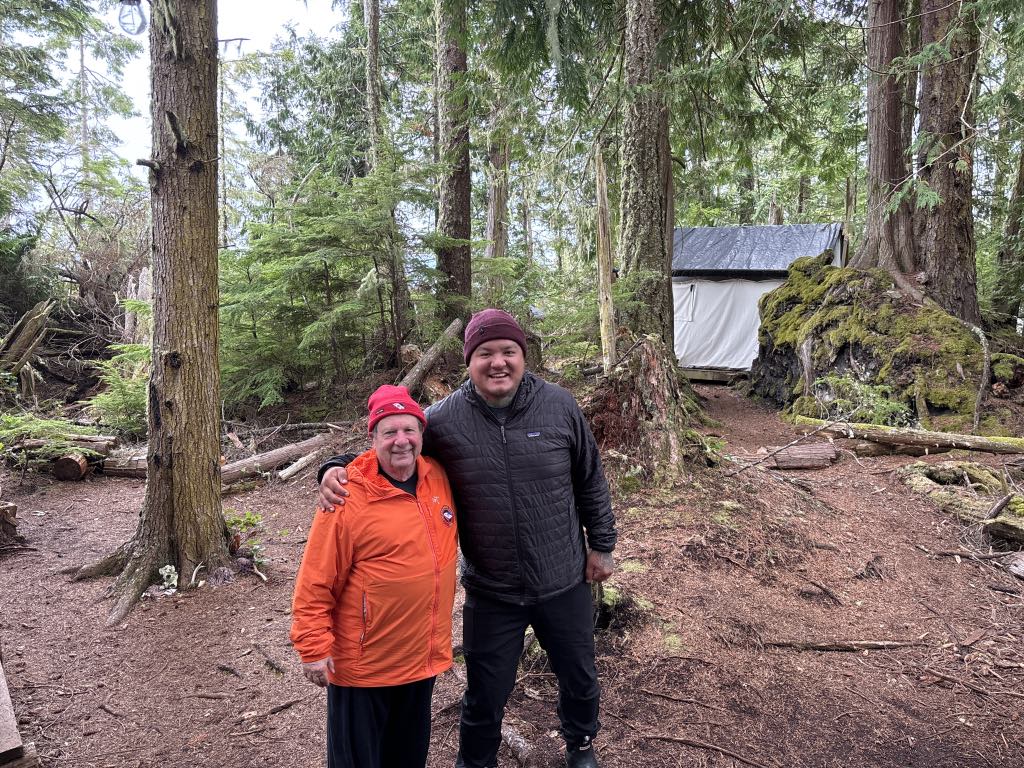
(389, 401)
(491, 324)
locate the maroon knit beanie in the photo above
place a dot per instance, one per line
(491, 324)
(389, 401)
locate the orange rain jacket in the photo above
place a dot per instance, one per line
(377, 582)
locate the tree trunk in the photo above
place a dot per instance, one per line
(645, 390)
(181, 522)
(391, 268)
(497, 205)
(1011, 256)
(888, 236)
(643, 249)
(526, 213)
(454, 223)
(946, 229)
(371, 19)
(605, 262)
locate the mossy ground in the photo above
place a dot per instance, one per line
(854, 327)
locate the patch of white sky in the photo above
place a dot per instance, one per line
(249, 26)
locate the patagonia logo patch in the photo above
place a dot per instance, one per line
(447, 515)
(533, 434)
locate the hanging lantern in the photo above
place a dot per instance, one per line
(131, 18)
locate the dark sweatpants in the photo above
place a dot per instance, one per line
(379, 727)
(492, 636)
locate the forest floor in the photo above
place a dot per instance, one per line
(713, 575)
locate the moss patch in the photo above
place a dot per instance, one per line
(827, 329)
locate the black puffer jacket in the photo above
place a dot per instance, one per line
(524, 491)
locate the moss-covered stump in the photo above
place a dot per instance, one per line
(642, 415)
(969, 491)
(834, 338)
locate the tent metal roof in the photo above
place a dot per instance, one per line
(751, 250)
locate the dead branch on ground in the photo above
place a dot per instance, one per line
(841, 646)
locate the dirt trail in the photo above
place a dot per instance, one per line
(711, 575)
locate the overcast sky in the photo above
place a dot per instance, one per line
(258, 20)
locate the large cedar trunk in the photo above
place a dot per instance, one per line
(181, 521)
(645, 391)
(1011, 256)
(644, 246)
(889, 236)
(453, 258)
(946, 230)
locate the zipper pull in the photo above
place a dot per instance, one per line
(503, 435)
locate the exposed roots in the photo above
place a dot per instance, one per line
(139, 572)
(134, 566)
(111, 565)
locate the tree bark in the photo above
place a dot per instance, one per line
(889, 234)
(605, 262)
(454, 223)
(1011, 256)
(946, 230)
(391, 269)
(181, 522)
(371, 19)
(643, 247)
(497, 206)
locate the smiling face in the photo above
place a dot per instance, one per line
(397, 441)
(496, 368)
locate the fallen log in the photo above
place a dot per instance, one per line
(135, 466)
(807, 456)
(127, 466)
(414, 378)
(73, 466)
(867, 449)
(39, 447)
(264, 462)
(300, 464)
(17, 346)
(903, 436)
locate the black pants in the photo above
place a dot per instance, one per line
(492, 635)
(379, 727)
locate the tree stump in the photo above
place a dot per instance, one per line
(642, 411)
(8, 521)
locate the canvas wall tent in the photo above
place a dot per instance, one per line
(718, 275)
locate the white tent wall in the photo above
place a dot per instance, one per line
(716, 321)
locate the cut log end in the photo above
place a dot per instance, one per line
(73, 466)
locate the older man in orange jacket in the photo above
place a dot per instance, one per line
(372, 613)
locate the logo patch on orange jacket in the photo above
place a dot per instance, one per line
(447, 515)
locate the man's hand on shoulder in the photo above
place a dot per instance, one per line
(332, 489)
(600, 565)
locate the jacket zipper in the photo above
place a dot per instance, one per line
(362, 636)
(515, 516)
(437, 583)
